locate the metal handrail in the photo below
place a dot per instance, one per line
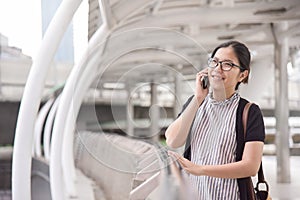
(168, 171)
(144, 189)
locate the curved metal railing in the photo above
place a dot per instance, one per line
(168, 180)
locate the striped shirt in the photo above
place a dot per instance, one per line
(213, 142)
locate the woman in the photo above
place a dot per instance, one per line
(218, 166)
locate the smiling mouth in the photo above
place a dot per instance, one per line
(217, 77)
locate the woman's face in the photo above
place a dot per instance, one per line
(225, 80)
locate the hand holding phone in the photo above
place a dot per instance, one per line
(204, 82)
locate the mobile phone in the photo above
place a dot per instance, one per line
(204, 82)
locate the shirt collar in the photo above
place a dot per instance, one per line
(223, 102)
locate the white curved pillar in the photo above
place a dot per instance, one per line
(21, 164)
(68, 110)
(39, 127)
(66, 126)
(48, 129)
(67, 158)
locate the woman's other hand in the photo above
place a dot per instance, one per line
(187, 165)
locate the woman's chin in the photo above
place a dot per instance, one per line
(217, 86)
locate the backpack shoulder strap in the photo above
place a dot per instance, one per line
(240, 129)
(245, 117)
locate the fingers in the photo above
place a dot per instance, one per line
(202, 73)
(179, 158)
(200, 76)
(174, 154)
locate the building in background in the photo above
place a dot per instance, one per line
(65, 52)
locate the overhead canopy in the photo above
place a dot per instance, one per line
(181, 34)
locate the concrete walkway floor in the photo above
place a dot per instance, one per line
(282, 191)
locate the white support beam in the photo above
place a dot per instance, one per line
(154, 112)
(129, 110)
(282, 109)
(72, 96)
(178, 84)
(21, 164)
(48, 129)
(105, 10)
(67, 111)
(39, 124)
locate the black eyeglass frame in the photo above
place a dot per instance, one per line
(221, 63)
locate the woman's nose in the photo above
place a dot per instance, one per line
(218, 67)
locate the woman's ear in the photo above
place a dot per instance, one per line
(243, 75)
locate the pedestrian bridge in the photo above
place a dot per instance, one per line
(146, 53)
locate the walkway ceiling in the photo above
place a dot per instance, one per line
(161, 26)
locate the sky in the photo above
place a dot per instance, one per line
(20, 21)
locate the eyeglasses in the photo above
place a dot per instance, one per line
(225, 65)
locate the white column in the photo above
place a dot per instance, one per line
(154, 113)
(129, 112)
(177, 94)
(21, 164)
(282, 108)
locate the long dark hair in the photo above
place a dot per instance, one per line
(242, 53)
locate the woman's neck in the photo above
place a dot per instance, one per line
(222, 95)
